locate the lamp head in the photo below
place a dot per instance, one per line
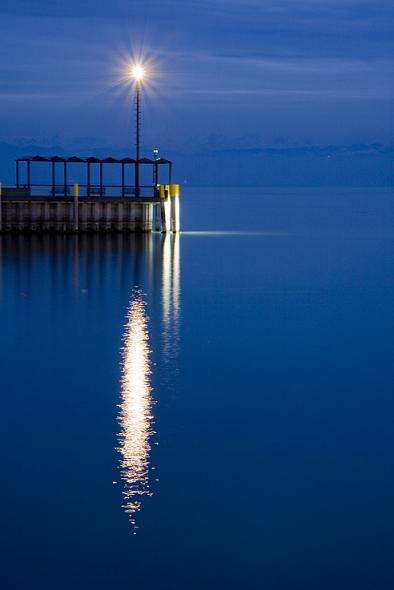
(138, 72)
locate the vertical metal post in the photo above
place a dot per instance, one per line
(101, 179)
(76, 203)
(157, 210)
(88, 191)
(65, 178)
(165, 208)
(53, 178)
(137, 138)
(17, 173)
(122, 179)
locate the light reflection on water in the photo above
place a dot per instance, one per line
(135, 415)
(170, 293)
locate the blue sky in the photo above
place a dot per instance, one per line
(225, 74)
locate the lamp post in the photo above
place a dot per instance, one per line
(138, 74)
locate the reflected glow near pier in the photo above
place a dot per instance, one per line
(170, 294)
(135, 416)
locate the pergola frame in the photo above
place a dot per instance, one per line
(88, 161)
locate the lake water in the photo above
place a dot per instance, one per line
(211, 410)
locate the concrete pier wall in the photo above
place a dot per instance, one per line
(60, 215)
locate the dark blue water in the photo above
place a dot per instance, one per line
(214, 410)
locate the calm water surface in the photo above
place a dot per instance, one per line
(212, 410)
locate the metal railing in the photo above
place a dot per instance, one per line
(92, 191)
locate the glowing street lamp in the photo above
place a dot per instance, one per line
(138, 73)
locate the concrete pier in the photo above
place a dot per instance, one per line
(48, 214)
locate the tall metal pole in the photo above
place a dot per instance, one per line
(137, 132)
(53, 179)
